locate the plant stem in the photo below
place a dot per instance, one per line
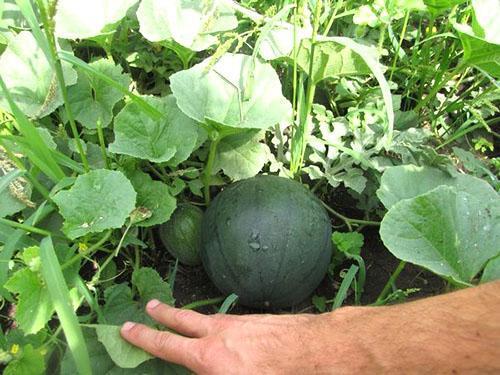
(102, 144)
(390, 282)
(205, 302)
(333, 17)
(401, 37)
(437, 87)
(299, 143)
(207, 173)
(25, 227)
(88, 252)
(350, 221)
(61, 81)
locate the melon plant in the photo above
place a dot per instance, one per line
(267, 239)
(181, 235)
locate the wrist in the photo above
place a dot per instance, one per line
(350, 350)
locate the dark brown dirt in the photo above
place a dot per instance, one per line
(192, 283)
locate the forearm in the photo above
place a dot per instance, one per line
(458, 331)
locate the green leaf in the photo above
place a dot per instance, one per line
(10, 183)
(370, 58)
(146, 108)
(34, 307)
(30, 78)
(60, 296)
(450, 232)
(11, 19)
(491, 271)
(29, 362)
(99, 200)
(486, 25)
(171, 138)
(122, 305)
(93, 99)
(102, 364)
(237, 91)
(408, 181)
(125, 355)
(479, 52)
(241, 155)
(349, 243)
(154, 196)
(330, 60)
(439, 6)
(278, 41)
(190, 23)
(79, 19)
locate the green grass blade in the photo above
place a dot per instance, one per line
(228, 302)
(59, 293)
(152, 112)
(29, 14)
(344, 287)
(37, 146)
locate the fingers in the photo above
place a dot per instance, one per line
(186, 322)
(165, 345)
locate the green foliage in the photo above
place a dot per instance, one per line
(78, 19)
(124, 304)
(331, 59)
(27, 361)
(241, 155)
(449, 231)
(169, 139)
(125, 355)
(97, 201)
(236, 91)
(348, 243)
(190, 23)
(29, 77)
(92, 99)
(491, 271)
(408, 181)
(154, 196)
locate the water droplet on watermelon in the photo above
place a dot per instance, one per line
(254, 245)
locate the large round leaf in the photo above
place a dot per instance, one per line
(408, 181)
(30, 78)
(171, 138)
(237, 91)
(98, 200)
(78, 19)
(190, 23)
(450, 232)
(92, 99)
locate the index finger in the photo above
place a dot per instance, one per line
(165, 345)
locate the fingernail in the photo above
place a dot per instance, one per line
(152, 304)
(128, 326)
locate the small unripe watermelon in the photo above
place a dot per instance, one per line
(267, 239)
(181, 235)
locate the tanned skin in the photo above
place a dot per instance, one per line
(454, 333)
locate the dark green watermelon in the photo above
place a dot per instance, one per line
(267, 239)
(181, 235)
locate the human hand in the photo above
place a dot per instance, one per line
(227, 344)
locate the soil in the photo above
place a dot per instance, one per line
(192, 283)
